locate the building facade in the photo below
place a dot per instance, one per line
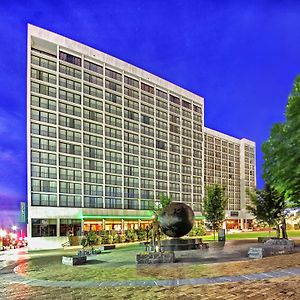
(105, 139)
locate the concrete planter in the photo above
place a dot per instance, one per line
(155, 257)
(73, 260)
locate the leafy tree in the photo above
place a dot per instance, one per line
(215, 204)
(281, 151)
(268, 206)
(158, 207)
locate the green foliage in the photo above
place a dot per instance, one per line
(281, 151)
(90, 239)
(215, 204)
(268, 206)
(197, 231)
(157, 207)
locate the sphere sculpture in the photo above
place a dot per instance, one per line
(177, 219)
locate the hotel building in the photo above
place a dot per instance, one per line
(105, 139)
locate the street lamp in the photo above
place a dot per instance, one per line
(14, 227)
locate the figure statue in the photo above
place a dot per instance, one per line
(155, 234)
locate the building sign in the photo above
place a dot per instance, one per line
(23, 212)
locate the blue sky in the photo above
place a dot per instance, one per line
(241, 56)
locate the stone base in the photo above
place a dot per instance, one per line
(155, 258)
(272, 247)
(179, 244)
(73, 260)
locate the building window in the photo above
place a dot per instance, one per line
(93, 67)
(70, 58)
(43, 227)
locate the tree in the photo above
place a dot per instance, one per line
(281, 151)
(215, 204)
(158, 207)
(268, 206)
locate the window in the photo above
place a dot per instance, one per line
(68, 96)
(113, 86)
(91, 201)
(113, 156)
(93, 79)
(113, 144)
(92, 115)
(114, 133)
(43, 158)
(131, 81)
(70, 109)
(69, 174)
(70, 71)
(89, 164)
(174, 99)
(69, 187)
(113, 109)
(43, 89)
(43, 171)
(70, 227)
(197, 109)
(93, 177)
(131, 104)
(45, 63)
(147, 152)
(90, 90)
(186, 104)
(131, 137)
(147, 109)
(131, 204)
(131, 182)
(93, 128)
(43, 76)
(131, 160)
(93, 152)
(113, 191)
(147, 120)
(43, 227)
(131, 93)
(161, 145)
(93, 103)
(70, 58)
(147, 130)
(43, 116)
(47, 186)
(113, 74)
(44, 144)
(43, 103)
(93, 67)
(162, 104)
(131, 193)
(132, 149)
(147, 162)
(161, 94)
(113, 203)
(72, 162)
(43, 130)
(147, 88)
(69, 201)
(113, 98)
(70, 84)
(113, 168)
(43, 199)
(147, 98)
(69, 122)
(131, 171)
(131, 126)
(92, 189)
(92, 140)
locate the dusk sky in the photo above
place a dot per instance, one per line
(241, 56)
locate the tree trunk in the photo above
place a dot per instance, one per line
(278, 231)
(283, 228)
(214, 234)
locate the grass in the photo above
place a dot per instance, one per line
(252, 235)
(119, 264)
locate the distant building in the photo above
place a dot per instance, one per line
(105, 138)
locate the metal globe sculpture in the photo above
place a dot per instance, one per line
(176, 220)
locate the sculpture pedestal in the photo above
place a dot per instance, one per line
(179, 244)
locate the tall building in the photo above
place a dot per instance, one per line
(106, 138)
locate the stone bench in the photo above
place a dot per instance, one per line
(73, 260)
(272, 247)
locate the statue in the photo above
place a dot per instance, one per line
(155, 234)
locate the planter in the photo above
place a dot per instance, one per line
(73, 260)
(155, 257)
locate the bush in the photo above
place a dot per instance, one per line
(90, 239)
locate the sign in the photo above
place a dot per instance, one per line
(23, 212)
(256, 253)
(221, 235)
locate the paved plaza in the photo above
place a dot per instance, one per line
(232, 277)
